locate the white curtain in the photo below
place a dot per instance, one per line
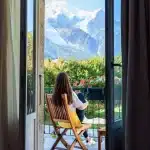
(9, 74)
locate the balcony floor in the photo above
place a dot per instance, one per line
(48, 142)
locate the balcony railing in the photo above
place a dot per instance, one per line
(95, 111)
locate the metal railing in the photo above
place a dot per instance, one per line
(95, 111)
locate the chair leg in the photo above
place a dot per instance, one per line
(75, 141)
(56, 142)
(60, 138)
(78, 140)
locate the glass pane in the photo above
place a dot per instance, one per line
(75, 43)
(117, 60)
(30, 58)
(117, 93)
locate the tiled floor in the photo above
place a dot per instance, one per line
(49, 140)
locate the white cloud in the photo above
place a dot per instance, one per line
(87, 14)
(55, 7)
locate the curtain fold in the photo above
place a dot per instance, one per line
(136, 73)
(9, 74)
(3, 76)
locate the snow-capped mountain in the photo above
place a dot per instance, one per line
(97, 23)
(61, 51)
(77, 34)
(79, 39)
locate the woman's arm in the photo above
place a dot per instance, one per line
(84, 106)
(78, 103)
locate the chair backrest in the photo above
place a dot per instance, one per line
(58, 113)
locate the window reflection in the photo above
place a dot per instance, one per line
(117, 93)
(30, 58)
(117, 60)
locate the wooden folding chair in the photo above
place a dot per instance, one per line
(61, 114)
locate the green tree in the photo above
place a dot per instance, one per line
(77, 70)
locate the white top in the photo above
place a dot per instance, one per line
(76, 102)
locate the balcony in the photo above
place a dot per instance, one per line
(95, 114)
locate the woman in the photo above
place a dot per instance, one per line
(62, 86)
(81, 113)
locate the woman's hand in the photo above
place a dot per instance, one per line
(77, 91)
(87, 102)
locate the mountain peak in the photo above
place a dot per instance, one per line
(74, 32)
(59, 7)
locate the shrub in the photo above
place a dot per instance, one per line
(83, 73)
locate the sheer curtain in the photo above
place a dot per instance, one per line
(136, 73)
(3, 73)
(9, 74)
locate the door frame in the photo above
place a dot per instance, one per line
(23, 116)
(22, 96)
(111, 124)
(109, 48)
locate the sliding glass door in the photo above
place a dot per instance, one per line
(114, 138)
(30, 74)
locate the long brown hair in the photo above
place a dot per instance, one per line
(62, 86)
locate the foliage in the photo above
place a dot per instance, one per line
(98, 82)
(29, 51)
(83, 73)
(30, 60)
(49, 77)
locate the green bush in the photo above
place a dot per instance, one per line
(91, 71)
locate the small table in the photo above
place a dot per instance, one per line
(101, 132)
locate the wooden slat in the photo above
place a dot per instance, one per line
(57, 112)
(62, 114)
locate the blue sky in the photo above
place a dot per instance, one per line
(30, 15)
(81, 4)
(86, 4)
(94, 4)
(117, 9)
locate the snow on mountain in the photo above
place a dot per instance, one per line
(53, 35)
(101, 39)
(55, 7)
(77, 33)
(88, 16)
(80, 38)
(55, 51)
(97, 23)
